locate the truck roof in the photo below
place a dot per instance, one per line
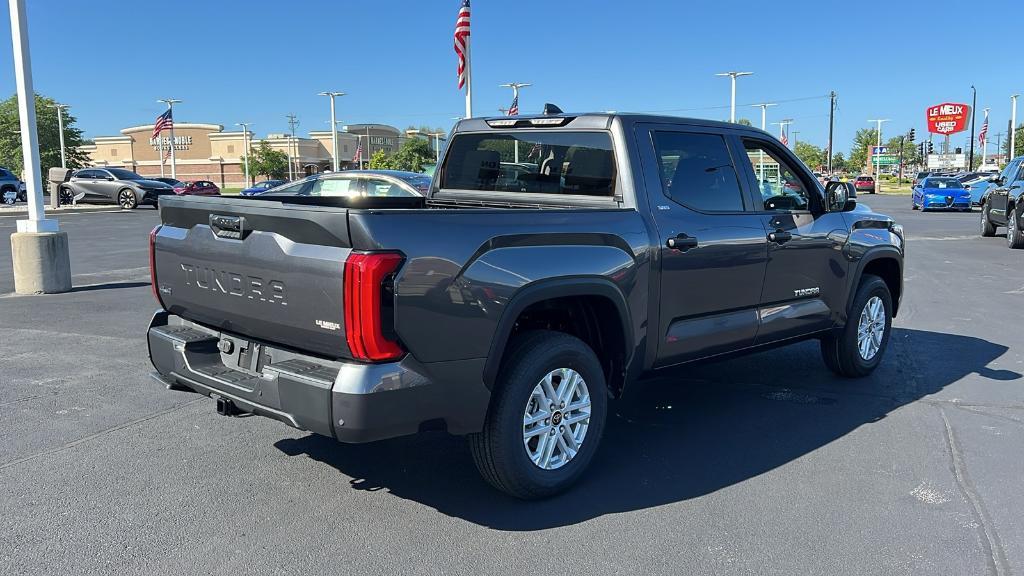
(595, 120)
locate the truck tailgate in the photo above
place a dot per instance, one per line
(259, 269)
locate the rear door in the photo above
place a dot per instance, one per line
(1001, 191)
(806, 271)
(713, 249)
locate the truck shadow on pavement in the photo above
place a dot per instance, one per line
(675, 439)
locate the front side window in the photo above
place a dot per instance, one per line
(697, 171)
(531, 162)
(780, 186)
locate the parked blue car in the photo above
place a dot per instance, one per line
(941, 193)
(977, 187)
(261, 187)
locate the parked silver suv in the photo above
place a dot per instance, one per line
(117, 185)
(11, 187)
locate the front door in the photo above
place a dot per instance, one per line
(806, 272)
(713, 249)
(997, 199)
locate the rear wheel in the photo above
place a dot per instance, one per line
(858, 348)
(546, 416)
(127, 199)
(1014, 237)
(988, 229)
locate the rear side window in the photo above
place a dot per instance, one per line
(531, 162)
(697, 171)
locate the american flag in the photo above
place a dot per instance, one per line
(984, 131)
(358, 156)
(462, 41)
(167, 154)
(513, 110)
(785, 138)
(163, 122)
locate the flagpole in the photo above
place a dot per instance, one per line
(170, 107)
(469, 78)
(160, 143)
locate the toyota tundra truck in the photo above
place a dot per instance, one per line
(555, 262)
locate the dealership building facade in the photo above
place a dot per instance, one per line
(207, 152)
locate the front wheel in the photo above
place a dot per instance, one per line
(546, 416)
(1014, 237)
(858, 348)
(65, 197)
(126, 199)
(988, 229)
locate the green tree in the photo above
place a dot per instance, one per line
(744, 122)
(810, 154)
(414, 153)
(838, 162)
(49, 137)
(265, 161)
(380, 161)
(859, 153)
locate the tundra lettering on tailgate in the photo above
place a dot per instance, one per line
(234, 284)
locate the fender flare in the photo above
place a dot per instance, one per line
(872, 254)
(546, 290)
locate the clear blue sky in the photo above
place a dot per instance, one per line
(259, 60)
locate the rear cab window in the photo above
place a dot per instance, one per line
(540, 163)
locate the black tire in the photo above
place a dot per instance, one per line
(913, 206)
(499, 450)
(126, 199)
(988, 229)
(840, 350)
(1014, 236)
(65, 197)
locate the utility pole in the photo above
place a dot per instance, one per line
(245, 148)
(293, 122)
(831, 126)
(334, 129)
(878, 140)
(732, 99)
(974, 103)
(60, 126)
(170, 106)
(999, 144)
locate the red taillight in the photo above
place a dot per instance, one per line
(152, 263)
(365, 274)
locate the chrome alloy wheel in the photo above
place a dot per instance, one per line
(556, 418)
(871, 328)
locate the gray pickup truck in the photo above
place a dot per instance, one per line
(555, 261)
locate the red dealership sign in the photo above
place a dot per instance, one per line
(948, 118)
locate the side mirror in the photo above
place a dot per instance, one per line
(994, 179)
(840, 197)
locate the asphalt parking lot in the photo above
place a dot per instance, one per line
(760, 465)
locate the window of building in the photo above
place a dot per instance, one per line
(113, 152)
(697, 171)
(231, 148)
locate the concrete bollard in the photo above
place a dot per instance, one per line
(42, 264)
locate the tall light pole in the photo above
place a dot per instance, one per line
(764, 117)
(293, 122)
(782, 128)
(515, 86)
(334, 129)
(437, 146)
(245, 148)
(1013, 127)
(60, 126)
(732, 100)
(974, 104)
(878, 143)
(170, 106)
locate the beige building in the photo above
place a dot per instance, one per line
(207, 152)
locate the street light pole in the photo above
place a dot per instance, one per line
(515, 86)
(245, 148)
(437, 146)
(60, 126)
(878, 143)
(170, 106)
(334, 129)
(760, 153)
(1013, 127)
(974, 104)
(732, 101)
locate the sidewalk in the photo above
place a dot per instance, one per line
(22, 208)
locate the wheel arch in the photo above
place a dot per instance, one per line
(886, 262)
(598, 312)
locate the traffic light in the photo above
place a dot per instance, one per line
(911, 136)
(959, 150)
(930, 148)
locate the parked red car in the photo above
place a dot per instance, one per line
(197, 188)
(864, 183)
